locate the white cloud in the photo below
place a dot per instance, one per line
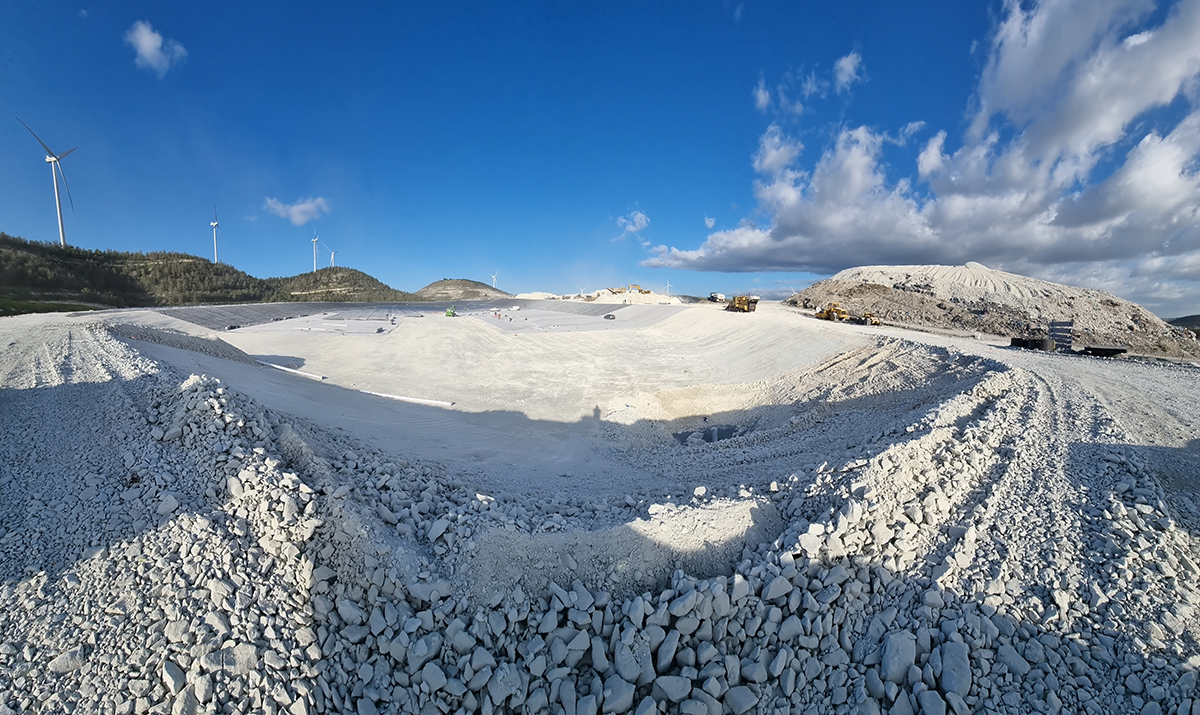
(845, 71)
(909, 129)
(299, 213)
(813, 85)
(762, 96)
(776, 152)
(709, 222)
(1063, 173)
(632, 224)
(152, 52)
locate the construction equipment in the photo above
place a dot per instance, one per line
(716, 297)
(867, 319)
(743, 303)
(834, 312)
(450, 312)
(638, 288)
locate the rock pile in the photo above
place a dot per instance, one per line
(975, 298)
(192, 552)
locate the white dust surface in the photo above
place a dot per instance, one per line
(529, 410)
(702, 513)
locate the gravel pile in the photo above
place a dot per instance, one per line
(167, 545)
(177, 339)
(975, 298)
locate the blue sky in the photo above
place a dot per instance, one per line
(721, 146)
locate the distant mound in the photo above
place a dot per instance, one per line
(979, 299)
(334, 284)
(459, 289)
(1190, 322)
(45, 276)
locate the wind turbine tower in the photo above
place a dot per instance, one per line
(55, 162)
(214, 225)
(668, 287)
(494, 277)
(332, 254)
(315, 239)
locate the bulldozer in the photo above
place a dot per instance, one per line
(742, 303)
(867, 319)
(834, 312)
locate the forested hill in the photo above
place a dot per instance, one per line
(37, 276)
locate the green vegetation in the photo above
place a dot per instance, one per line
(9, 306)
(36, 275)
(334, 284)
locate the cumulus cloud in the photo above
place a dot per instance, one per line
(153, 53)
(1066, 170)
(632, 224)
(709, 222)
(845, 71)
(299, 213)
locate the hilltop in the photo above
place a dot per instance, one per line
(36, 277)
(980, 299)
(459, 289)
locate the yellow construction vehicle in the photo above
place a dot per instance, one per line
(635, 287)
(742, 303)
(834, 312)
(867, 319)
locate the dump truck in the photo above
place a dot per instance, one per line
(742, 303)
(834, 312)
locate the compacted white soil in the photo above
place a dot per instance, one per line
(688, 512)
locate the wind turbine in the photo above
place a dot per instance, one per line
(332, 254)
(494, 277)
(54, 160)
(581, 290)
(214, 225)
(668, 287)
(315, 239)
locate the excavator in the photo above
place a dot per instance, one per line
(834, 312)
(742, 303)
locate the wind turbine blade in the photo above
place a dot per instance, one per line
(64, 178)
(35, 136)
(65, 153)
